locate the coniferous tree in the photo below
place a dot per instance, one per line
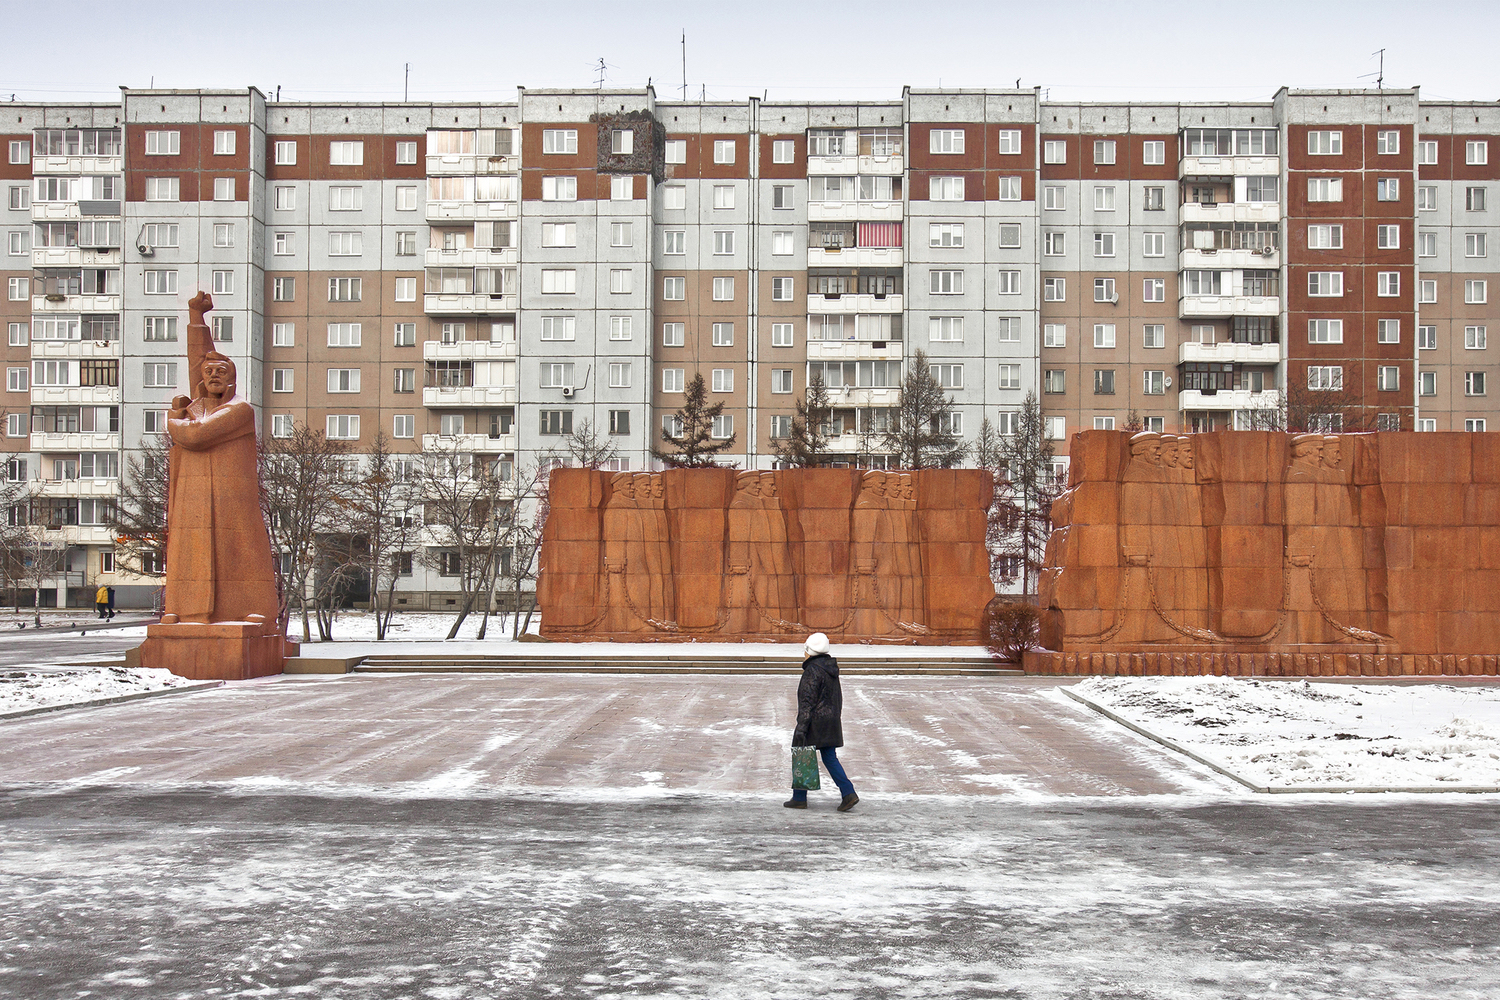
(1021, 518)
(917, 438)
(695, 446)
(807, 444)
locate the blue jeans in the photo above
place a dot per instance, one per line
(835, 771)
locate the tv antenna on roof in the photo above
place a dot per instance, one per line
(600, 69)
(1379, 75)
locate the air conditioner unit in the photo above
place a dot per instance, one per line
(1267, 251)
(145, 249)
(1167, 381)
(568, 391)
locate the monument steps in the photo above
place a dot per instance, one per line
(423, 663)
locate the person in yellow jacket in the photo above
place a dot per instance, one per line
(101, 602)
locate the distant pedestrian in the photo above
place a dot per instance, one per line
(111, 601)
(820, 707)
(101, 602)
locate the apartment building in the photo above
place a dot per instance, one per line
(488, 279)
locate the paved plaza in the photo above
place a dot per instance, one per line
(468, 836)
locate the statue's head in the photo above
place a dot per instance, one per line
(217, 375)
(768, 484)
(1169, 450)
(1332, 452)
(1146, 446)
(1184, 452)
(874, 483)
(1307, 448)
(748, 483)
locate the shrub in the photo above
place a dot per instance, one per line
(1010, 628)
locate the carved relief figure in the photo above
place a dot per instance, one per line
(637, 553)
(219, 563)
(763, 595)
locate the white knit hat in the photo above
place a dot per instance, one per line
(816, 643)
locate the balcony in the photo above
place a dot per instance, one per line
(470, 165)
(468, 303)
(466, 397)
(77, 534)
(856, 211)
(77, 164)
(1205, 167)
(470, 211)
(75, 349)
(860, 397)
(471, 257)
(77, 441)
(473, 443)
(1228, 399)
(854, 350)
(468, 350)
(76, 303)
(1231, 211)
(1223, 260)
(1210, 306)
(84, 488)
(76, 257)
(851, 303)
(81, 395)
(1230, 352)
(855, 257)
(54, 211)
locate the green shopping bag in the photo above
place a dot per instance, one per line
(805, 768)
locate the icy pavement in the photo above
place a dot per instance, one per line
(160, 894)
(1296, 733)
(22, 690)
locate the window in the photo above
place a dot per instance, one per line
(1325, 143)
(723, 289)
(346, 153)
(343, 380)
(1325, 378)
(1324, 284)
(673, 242)
(673, 334)
(282, 334)
(1010, 189)
(1054, 244)
(1388, 331)
(1388, 283)
(559, 140)
(223, 189)
(345, 289)
(1474, 199)
(1154, 335)
(1427, 383)
(281, 244)
(1055, 151)
(1388, 378)
(1154, 290)
(559, 281)
(1427, 244)
(559, 234)
(723, 380)
(20, 196)
(1427, 153)
(723, 334)
(619, 328)
(1325, 331)
(342, 427)
(620, 234)
(945, 189)
(1473, 383)
(1104, 290)
(723, 242)
(19, 334)
(1476, 245)
(1057, 428)
(1388, 189)
(161, 188)
(1010, 237)
(945, 329)
(1388, 237)
(1477, 151)
(1008, 141)
(1010, 377)
(722, 427)
(1387, 143)
(558, 327)
(1325, 237)
(20, 151)
(1154, 152)
(673, 196)
(559, 188)
(621, 188)
(1104, 381)
(723, 150)
(1476, 291)
(1153, 383)
(1054, 289)
(1154, 244)
(1325, 189)
(782, 196)
(283, 289)
(17, 380)
(406, 152)
(344, 334)
(782, 151)
(284, 197)
(1262, 189)
(159, 282)
(223, 329)
(1427, 338)
(621, 142)
(621, 281)
(1104, 199)
(1474, 338)
(945, 140)
(619, 374)
(556, 374)
(1054, 197)
(1475, 425)
(346, 244)
(619, 421)
(781, 425)
(671, 379)
(723, 196)
(156, 375)
(947, 282)
(949, 376)
(674, 289)
(15, 425)
(1104, 244)
(406, 198)
(1427, 198)
(281, 425)
(1104, 151)
(1104, 335)
(1156, 199)
(163, 143)
(406, 289)
(782, 289)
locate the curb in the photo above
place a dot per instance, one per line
(1275, 789)
(100, 702)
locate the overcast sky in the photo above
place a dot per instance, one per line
(1087, 50)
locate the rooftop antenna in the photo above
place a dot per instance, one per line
(599, 83)
(684, 66)
(406, 87)
(1379, 76)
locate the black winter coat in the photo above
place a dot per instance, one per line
(820, 704)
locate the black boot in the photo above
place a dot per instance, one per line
(849, 802)
(795, 804)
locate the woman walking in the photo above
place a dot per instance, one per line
(820, 705)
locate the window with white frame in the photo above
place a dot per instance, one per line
(282, 334)
(673, 242)
(1325, 189)
(559, 188)
(722, 380)
(723, 150)
(723, 289)
(1008, 141)
(620, 328)
(406, 198)
(622, 188)
(1427, 153)
(344, 334)
(1054, 244)
(556, 374)
(159, 329)
(781, 243)
(1426, 244)
(1057, 428)
(781, 380)
(1153, 383)
(946, 140)
(673, 334)
(281, 244)
(1104, 198)
(1104, 290)
(559, 281)
(949, 376)
(19, 334)
(1427, 198)
(163, 143)
(1474, 383)
(946, 329)
(1010, 377)
(1054, 197)
(1474, 424)
(621, 142)
(1325, 143)
(672, 379)
(1325, 378)
(406, 152)
(1475, 338)
(1388, 378)
(158, 282)
(1427, 291)
(1476, 151)
(782, 289)
(223, 329)
(1154, 335)
(1427, 383)
(1055, 151)
(1388, 331)
(1325, 237)
(1476, 245)
(945, 189)
(1010, 189)
(1388, 189)
(1325, 284)
(946, 282)
(1008, 283)
(723, 334)
(621, 281)
(559, 234)
(1388, 284)
(782, 335)
(673, 196)
(1476, 291)
(1055, 335)
(223, 189)
(1104, 151)
(1104, 244)
(619, 374)
(620, 234)
(1154, 152)
(20, 151)
(559, 140)
(783, 151)
(1153, 244)
(559, 327)
(346, 153)
(1325, 331)
(1388, 237)
(673, 289)
(1010, 236)
(156, 375)
(1387, 142)
(343, 380)
(342, 427)
(1104, 335)
(284, 197)
(723, 196)
(346, 244)
(722, 427)
(1153, 290)
(282, 425)
(1054, 289)
(161, 189)
(284, 289)
(406, 289)
(345, 289)
(723, 242)
(1427, 338)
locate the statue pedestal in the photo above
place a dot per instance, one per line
(225, 651)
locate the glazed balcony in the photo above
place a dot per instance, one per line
(1225, 167)
(1216, 306)
(75, 303)
(80, 395)
(470, 211)
(466, 397)
(855, 257)
(1230, 352)
(856, 211)
(80, 488)
(482, 444)
(80, 349)
(75, 257)
(1229, 212)
(854, 350)
(1228, 399)
(469, 350)
(468, 303)
(852, 302)
(470, 164)
(74, 441)
(470, 257)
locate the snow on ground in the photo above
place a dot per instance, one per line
(358, 626)
(1296, 733)
(22, 690)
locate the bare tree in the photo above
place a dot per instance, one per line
(1022, 517)
(918, 438)
(300, 489)
(382, 501)
(524, 537)
(806, 444)
(467, 507)
(694, 447)
(139, 520)
(587, 448)
(15, 528)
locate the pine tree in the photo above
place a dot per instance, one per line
(695, 446)
(916, 439)
(807, 444)
(1022, 514)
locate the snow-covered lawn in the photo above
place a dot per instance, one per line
(23, 690)
(1296, 733)
(359, 626)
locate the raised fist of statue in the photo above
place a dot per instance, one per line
(198, 305)
(179, 407)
